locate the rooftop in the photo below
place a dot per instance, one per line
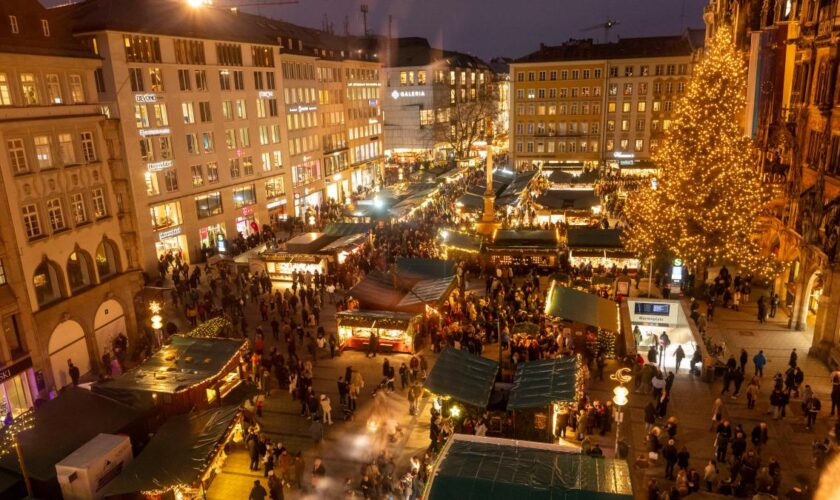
(31, 37)
(626, 48)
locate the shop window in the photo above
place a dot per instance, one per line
(14, 340)
(107, 259)
(47, 282)
(166, 215)
(78, 270)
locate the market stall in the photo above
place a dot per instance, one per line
(542, 390)
(592, 320)
(181, 459)
(475, 376)
(186, 373)
(561, 179)
(521, 247)
(395, 329)
(483, 468)
(453, 243)
(599, 247)
(300, 254)
(575, 207)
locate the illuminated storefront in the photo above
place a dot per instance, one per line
(281, 266)
(171, 240)
(17, 394)
(213, 236)
(395, 330)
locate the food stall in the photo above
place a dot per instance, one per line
(182, 458)
(298, 255)
(561, 179)
(521, 247)
(542, 390)
(575, 207)
(395, 329)
(599, 247)
(186, 373)
(452, 243)
(475, 377)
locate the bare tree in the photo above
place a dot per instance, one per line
(469, 120)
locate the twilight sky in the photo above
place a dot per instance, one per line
(489, 28)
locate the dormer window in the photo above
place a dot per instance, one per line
(45, 27)
(13, 24)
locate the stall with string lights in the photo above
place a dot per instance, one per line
(599, 247)
(182, 458)
(593, 322)
(475, 377)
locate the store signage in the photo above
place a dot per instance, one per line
(373, 120)
(654, 313)
(159, 165)
(620, 154)
(364, 84)
(266, 94)
(143, 98)
(154, 131)
(373, 102)
(10, 371)
(246, 211)
(169, 233)
(302, 109)
(397, 94)
(275, 204)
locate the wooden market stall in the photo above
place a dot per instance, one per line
(524, 247)
(484, 468)
(593, 321)
(597, 246)
(182, 458)
(299, 255)
(475, 377)
(395, 329)
(186, 373)
(542, 391)
(575, 207)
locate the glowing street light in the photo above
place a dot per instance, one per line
(622, 376)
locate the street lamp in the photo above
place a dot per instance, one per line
(622, 376)
(157, 320)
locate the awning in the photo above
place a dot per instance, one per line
(524, 238)
(564, 199)
(470, 202)
(582, 307)
(345, 229)
(416, 268)
(481, 468)
(592, 238)
(178, 454)
(463, 376)
(308, 243)
(428, 292)
(352, 240)
(540, 383)
(561, 177)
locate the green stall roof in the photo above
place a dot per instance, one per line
(463, 376)
(540, 383)
(589, 237)
(472, 467)
(178, 454)
(586, 308)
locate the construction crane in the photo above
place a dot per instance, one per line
(606, 26)
(364, 9)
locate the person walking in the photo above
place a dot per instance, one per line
(762, 310)
(835, 394)
(257, 491)
(679, 354)
(793, 358)
(743, 360)
(318, 473)
(669, 453)
(759, 437)
(774, 304)
(326, 409)
(759, 360)
(812, 408)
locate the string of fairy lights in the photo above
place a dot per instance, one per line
(705, 205)
(9, 433)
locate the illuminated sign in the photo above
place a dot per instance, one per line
(373, 102)
(397, 94)
(373, 120)
(159, 165)
(169, 233)
(266, 94)
(145, 98)
(302, 109)
(364, 84)
(154, 131)
(619, 154)
(275, 204)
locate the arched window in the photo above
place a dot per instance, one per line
(107, 259)
(47, 281)
(79, 270)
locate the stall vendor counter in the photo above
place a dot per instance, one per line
(396, 330)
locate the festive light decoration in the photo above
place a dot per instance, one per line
(8, 435)
(705, 204)
(212, 328)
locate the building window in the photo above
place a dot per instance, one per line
(142, 48)
(53, 88)
(46, 282)
(13, 25)
(166, 215)
(31, 222)
(244, 196)
(184, 82)
(241, 110)
(197, 175)
(77, 91)
(212, 172)
(234, 168)
(228, 54)
(77, 208)
(29, 88)
(208, 205)
(275, 188)
(99, 79)
(88, 148)
(55, 215)
(204, 111)
(17, 156)
(170, 180)
(66, 149)
(201, 80)
(135, 77)
(43, 152)
(107, 259)
(100, 209)
(640, 145)
(78, 271)
(238, 80)
(2, 273)
(208, 142)
(188, 111)
(5, 90)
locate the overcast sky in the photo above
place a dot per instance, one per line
(489, 28)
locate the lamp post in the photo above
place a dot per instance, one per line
(157, 321)
(620, 399)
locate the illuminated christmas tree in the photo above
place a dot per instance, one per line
(704, 205)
